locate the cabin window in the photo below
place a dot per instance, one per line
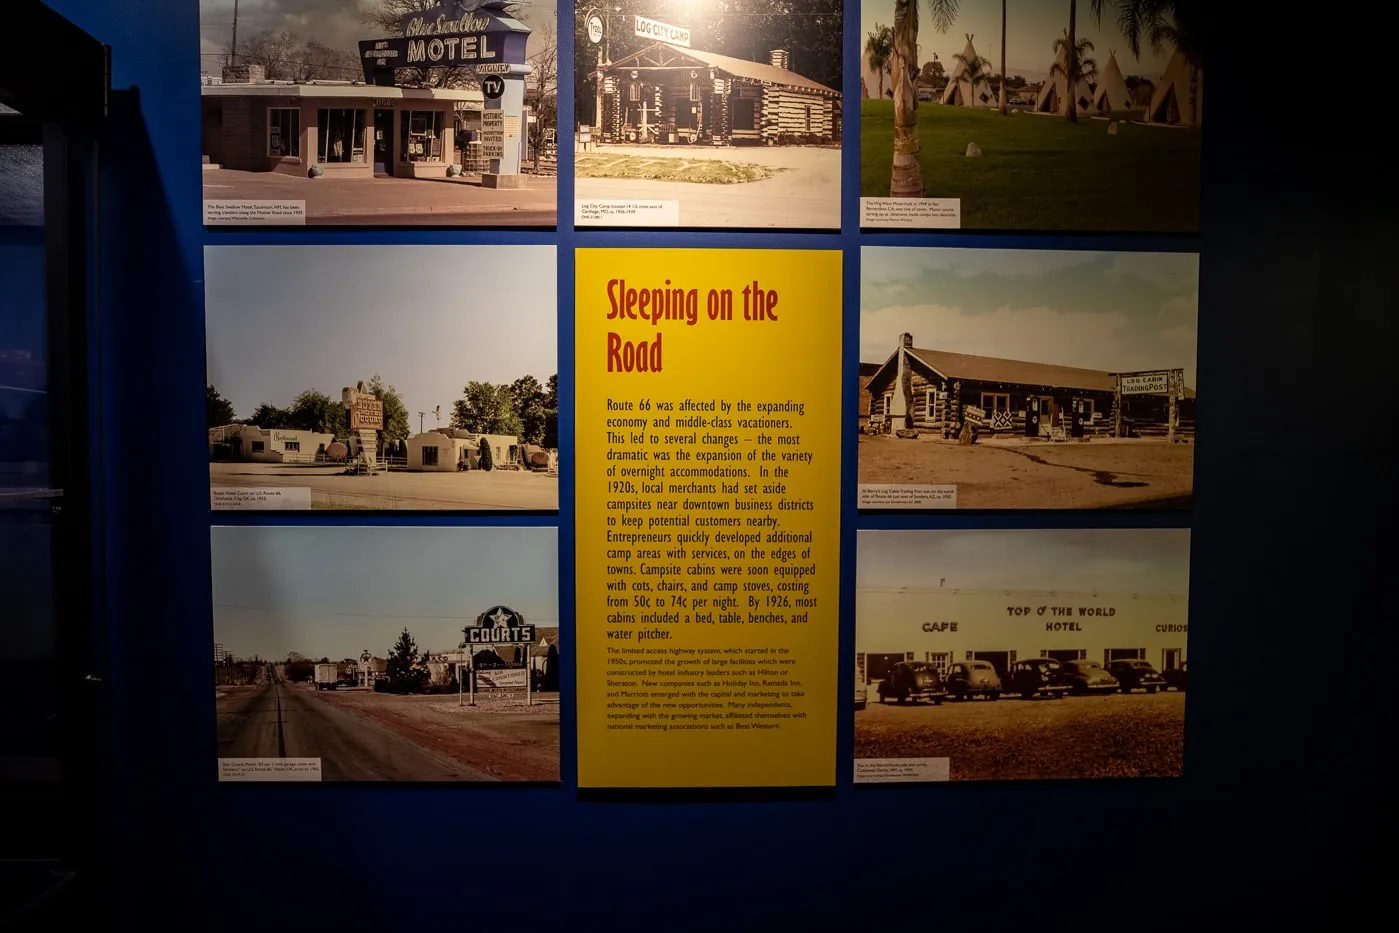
(429, 456)
(420, 136)
(694, 92)
(341, 135)
(293, 446)
(745, 114)
(634, 91)
(283, 132)
(888, 403)
(259, 447)
(1086, 406)
(995, 401)
(808, 119)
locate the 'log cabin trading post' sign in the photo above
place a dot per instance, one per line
(499, 625)
(480, 35)
(1167, 382)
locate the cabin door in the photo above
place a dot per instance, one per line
(1032, 417)
(1077, 428)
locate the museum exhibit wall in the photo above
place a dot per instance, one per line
(544, 854)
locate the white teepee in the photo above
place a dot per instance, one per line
(1112, 95)
(960, 92)
(1171, 102)
(1053, 96)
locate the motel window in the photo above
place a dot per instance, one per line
(429, 456)
(341, 135)
(420, 136)
(283, 132)
(939, 659)
(694, 92)
(294, 446)
(995, 401)
(259, 447)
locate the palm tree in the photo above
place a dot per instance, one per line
(975, 70)
(1072, 36)
(1004, 108)
(906, 180)
(1079, 68)
(879, 46)
(1162, 23)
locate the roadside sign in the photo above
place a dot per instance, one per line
(367, 414)
(493, 87)
(595, 29)
(493, 134)
(499, 625)
(1146, 383)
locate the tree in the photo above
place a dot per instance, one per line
(1080, 68)
(218, 410)
(404, 673)
(906, 179)
(486, 409)
(396, 427)
(313, 410)
(531, 405)
(1162, 23)
(546, 88)
(1004, 94)
(270, 416)
(551, 413)
(879, 47)
(933, 74)
(487, 462)
(285, 56)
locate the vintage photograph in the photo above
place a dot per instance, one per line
(379, 112)
(1027, 379)
(382, 377)
(386, 654)
(1020, 655)
(1031, 115)
(708, 114)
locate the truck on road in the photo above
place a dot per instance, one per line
(327, 676)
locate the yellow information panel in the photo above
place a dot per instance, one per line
(708, 436)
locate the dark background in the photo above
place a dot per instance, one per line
(1281, 802)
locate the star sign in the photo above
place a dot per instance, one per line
(501, 617)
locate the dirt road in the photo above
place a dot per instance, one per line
(331, 488)
(1098, 474)
(1117, 735)
(287, 721)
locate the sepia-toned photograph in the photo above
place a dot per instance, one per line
(379, 113)
(382, 377)
(1020, 654)
(1027, 379)
(425, 654)
(1031, 115)
(698, 114)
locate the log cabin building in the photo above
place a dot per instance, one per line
(667, 95)
(935, 390)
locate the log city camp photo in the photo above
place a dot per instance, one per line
(697, 114)
(1026, 379)
(1072, 115)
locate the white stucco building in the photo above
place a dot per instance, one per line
(450, 449)
(266, 445)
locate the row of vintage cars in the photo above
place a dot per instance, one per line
(912, 681)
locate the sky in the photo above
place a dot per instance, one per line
(428, 319)
(1031, 28)
(334, 591)
(336, 23)
(1115, 312)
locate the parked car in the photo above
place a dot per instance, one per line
(1034, 676)
(966, 679)
(1175, 677)
(912, 680)
(861, 694)
(1088, 677)
(1134, 673)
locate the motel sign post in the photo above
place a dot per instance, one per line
(482, 36)
(499, 625)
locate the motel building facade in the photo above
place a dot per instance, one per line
(936, 390)
(940, 626)
(345, 129)
(448, 450)
(248, 442)
(669, 95)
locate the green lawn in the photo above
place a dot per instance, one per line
(702, 171)
(1043, 172)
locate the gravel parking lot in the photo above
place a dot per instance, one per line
(1117, 735)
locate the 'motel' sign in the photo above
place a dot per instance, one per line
(458, 32)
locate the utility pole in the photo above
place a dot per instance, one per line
(233, 52)
(420, 421)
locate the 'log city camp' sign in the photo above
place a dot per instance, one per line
(652, 29)
(499, 625)
(459, 32)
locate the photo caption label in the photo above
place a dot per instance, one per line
(623, 213)
(239, 212)
(240, 498)
(269, 769)
(886, 496)
(901, 770)
(919, 213)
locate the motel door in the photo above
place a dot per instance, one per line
(383, 142)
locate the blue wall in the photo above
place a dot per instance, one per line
(1295, 319)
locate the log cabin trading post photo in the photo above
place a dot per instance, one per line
(386, 654)
(1020, 655)
(1031, 115)
(708, 113)
(379, 113)
(382, 377)
(1026, 379)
